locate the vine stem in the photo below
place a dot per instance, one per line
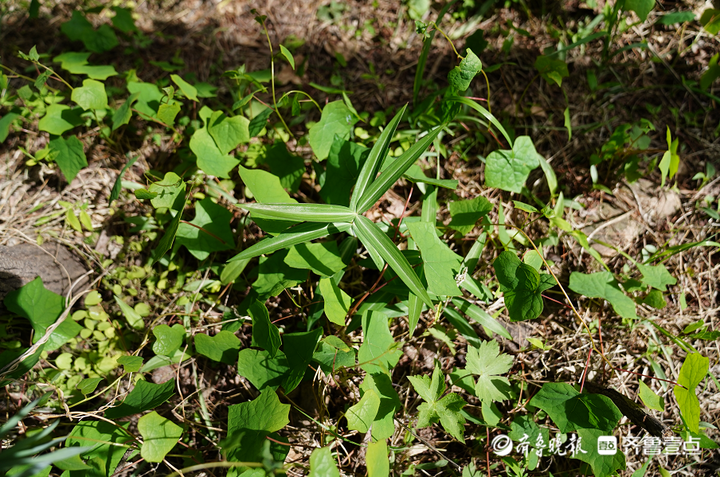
(272, 77)
(437, 28)
(567, 297)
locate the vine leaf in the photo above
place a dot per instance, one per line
(649, 398)
(336, 119)
(361, 416)
(379, 352)
(692, 373)
(168, 339)
(487, 363)
(465, 213)
(222, 347)
(144, 396)
(509, 169)
(208, 232)
(69, 156)
(159, 436)
(447, 409)
(249, 423)
(461, 76)
(656, 276)
(322, 463)
(336, 302)
(603, 285)
(440, 264)
(522, 286)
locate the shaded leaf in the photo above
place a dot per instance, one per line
(288, 167)
(336, 119)
(262, 370)
(222, 347)
(466, 213)
(342, 170)
(249, 423)
(144, 396)
(264, 333)
(69, 156)
(210, 230)
(522, 286)
(299, 349)
(275, 275)
(379, 351)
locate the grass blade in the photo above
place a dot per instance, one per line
(374, 239)
(375, 158)
(395, 170)
(294, 236)
(484, 113)
(482, 317)
(301, 212)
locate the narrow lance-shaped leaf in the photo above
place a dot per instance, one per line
(484, 113)
(395, 170)
(324, 213)
(375, 158)
(299, 234)
(372, 237)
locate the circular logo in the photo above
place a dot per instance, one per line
(502, 445)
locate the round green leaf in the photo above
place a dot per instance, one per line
(91, 95)
(168, 339)
(159, 436)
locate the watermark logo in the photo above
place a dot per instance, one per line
(607, 445)
(502, 445)
(573, 445)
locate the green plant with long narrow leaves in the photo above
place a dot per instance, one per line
(321, 220)
(25, 457)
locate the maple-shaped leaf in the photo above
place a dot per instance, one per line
(210, 230)
(487, 364)
(434, 409)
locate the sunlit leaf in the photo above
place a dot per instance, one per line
(375, 159)
(372, 237)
